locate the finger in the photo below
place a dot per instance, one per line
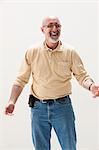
(10, 114)
(7, 112)
(96, 94)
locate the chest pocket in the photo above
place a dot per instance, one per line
(63, 68)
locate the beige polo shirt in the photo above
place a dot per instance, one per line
(51, 71)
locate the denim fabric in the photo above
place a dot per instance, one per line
(59, 115)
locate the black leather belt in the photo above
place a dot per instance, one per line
(49, 100)
(32, 100)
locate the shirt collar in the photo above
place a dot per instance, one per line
(58, 48)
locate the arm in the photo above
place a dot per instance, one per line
(19, 84)
(16, 91)
(81, 75)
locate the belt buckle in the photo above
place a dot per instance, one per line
(42, 101)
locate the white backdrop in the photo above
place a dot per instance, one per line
(19, 28)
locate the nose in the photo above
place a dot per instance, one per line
(54, 28)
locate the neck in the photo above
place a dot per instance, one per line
(52, 45)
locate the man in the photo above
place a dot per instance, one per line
(51, 65)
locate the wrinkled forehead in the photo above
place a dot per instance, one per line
(49, 20)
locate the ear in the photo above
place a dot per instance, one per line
(42, 29)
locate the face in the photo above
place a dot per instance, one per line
(51, 28)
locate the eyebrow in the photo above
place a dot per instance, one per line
(52, 23)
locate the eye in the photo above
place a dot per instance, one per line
(50, 25)
(58, 25)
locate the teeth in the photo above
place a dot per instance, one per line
(53, 33)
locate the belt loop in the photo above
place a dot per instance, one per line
(55, 100)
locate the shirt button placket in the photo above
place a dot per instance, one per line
(50, 56)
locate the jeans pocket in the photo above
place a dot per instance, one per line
(62, 101)
(66, 100)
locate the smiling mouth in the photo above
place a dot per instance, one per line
(54, 35)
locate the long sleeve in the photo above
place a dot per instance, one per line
(25, 71)
(79, 71)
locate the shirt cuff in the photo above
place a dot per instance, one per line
(87, 83)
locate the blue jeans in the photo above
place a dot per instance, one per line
(59, 115)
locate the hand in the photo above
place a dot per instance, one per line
(95, 90)
(9, 108)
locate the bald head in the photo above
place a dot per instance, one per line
(50, 19)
